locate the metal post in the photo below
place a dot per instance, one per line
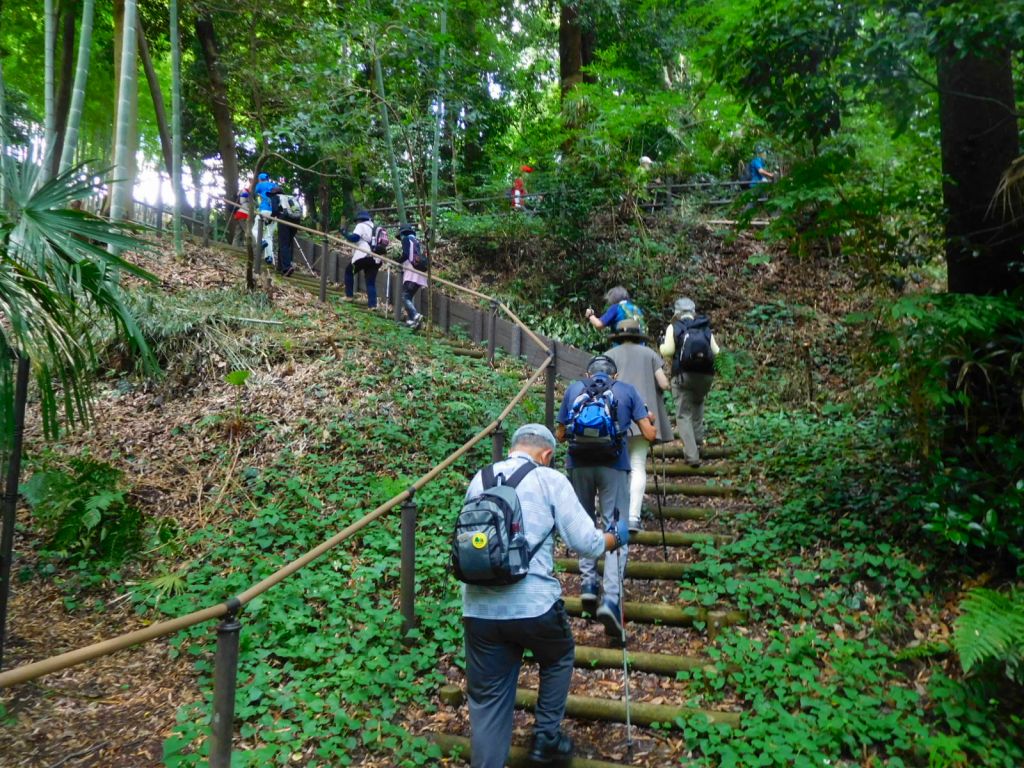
(549, 395)
(325, 251)
(408, 575)
(225, 676)
(492, 332)
(498, 444)
(11, 497)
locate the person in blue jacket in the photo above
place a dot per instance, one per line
(759, 174)
(622, 315)
(262, 189)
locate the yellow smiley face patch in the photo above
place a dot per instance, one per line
(479, 540)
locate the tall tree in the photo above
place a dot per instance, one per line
(121, 192)
(68, 12)
(179, 191)
(980, 140)
(158, 98)
(219, 104)
(50, 33)
(3, 134)
(78, 92)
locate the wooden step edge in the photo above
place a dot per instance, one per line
(518, 757)
(646, 570)
(685, 470)
(593, 657)
(708, 452)
(686, 513)
(653, 537)
(676, 489)
(614, 710)
(669, 615)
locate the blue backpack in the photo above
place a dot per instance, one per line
(631, 318)
(593, 430)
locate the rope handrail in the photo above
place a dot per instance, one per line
(34, 670)
(430, 276)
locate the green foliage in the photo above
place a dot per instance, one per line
(322, 653)
(84, 510)
(56, 283)
(991, 630)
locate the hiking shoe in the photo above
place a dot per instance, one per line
(635, 526)
(548, 750)
(610, 615)
(694, 464)
(417, 323)
(588, 595)
(288, 272)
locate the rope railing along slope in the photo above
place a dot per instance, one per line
(34, 670)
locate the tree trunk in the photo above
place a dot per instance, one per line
(179, 192)
(435, 154)
(979, 138)
(158, 101)
(74, 120)
(63, 102)
(570, 47)
(219, 105)
(121, 189)
(396, 181)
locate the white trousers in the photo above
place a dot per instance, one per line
(638, 450)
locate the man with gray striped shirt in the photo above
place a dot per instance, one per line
(501, 622)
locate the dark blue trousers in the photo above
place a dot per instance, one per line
(369, 267)
(494, 653)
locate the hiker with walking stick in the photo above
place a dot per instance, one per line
(595, 418)
(512, 601)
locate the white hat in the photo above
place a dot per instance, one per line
(684, 305)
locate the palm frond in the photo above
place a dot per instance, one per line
(57, 282)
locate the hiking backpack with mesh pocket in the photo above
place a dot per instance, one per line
(593, 430)
(489, 546)
(631, 318)
(693, 346)
(379, 241)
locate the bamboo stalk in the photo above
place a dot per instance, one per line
(690, 513)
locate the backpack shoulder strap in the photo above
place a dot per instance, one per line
(517, 477)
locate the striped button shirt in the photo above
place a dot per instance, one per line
(547, 500)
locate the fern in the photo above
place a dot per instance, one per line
(991, 628)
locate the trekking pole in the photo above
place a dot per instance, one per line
(661, 515)
(625, 658)
(299, 246)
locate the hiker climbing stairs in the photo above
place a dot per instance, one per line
(664, 636)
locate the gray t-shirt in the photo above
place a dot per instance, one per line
(637, 364)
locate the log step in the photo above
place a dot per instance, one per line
(634, 570)
(678, 489)
(614, 711)
(685, 470)
(669, 615)
(518, 757)
(591, 657)
(464, 352)
(686, 513)
(708, 452)
(653, 538)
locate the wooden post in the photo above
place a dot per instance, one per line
(498, 444)
(446, 313)
(549, 395)
(492, 332)
(396, 293)
(476, 332)
(408, 572)
(517, 341)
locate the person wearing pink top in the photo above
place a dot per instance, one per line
(412, 279)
